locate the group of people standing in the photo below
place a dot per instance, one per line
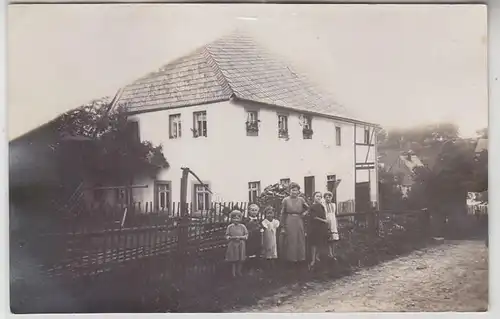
(250, 239)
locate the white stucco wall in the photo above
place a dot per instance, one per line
(228, 159)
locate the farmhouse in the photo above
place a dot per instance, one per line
(241, 119)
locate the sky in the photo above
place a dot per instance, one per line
(395, 65)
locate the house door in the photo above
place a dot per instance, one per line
(363, 203)
(309, 186)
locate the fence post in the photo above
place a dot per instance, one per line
(426, 222)
(183, 234)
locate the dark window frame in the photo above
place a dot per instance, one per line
(157, 184)
(171, 119)
(366, 136)
(251, 191)
(338, 136)
(283, 129)
(252, 124)
(200, 125)
(308, 193)
(207, 199)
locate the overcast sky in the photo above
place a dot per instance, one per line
(396, 65)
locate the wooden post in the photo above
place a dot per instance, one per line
(426, 222)
(182, 242)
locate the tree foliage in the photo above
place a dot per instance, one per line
(452, 168)
(273, 195)
(390, 192)
(420, 136)
(107, 144)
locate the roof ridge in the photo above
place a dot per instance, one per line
(221, 78)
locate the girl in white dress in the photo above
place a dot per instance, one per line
(270, 225)
(331, 216)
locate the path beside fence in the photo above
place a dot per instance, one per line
(448, 277)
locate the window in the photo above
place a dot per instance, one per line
(175, 125)
(338, 136)
(330, 182)
(163, 195)
(331, 186)
(309, 186)
(201, 197)
(282, 126)
(367, 136)
(253, 191)
(307, 131)
(200, 124)
(285, 182)
(252, 123)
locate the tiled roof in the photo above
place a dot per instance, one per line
(233, 66)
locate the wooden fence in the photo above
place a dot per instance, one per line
(118, 268)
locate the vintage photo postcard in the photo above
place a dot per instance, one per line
(248, 158)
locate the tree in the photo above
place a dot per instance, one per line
(422, 135)
(443, 189)
(381, 136)
(391, 195)
(106, 144)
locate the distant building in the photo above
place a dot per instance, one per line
(402, 165)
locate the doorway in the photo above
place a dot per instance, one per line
(362, 193)
(309, 186)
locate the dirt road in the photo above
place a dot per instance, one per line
(449, 277)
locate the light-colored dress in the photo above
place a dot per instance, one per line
(236, 247)
(331, 216)
(295, 236)
(270, 250)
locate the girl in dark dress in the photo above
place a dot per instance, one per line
(317, 233)
(254, 242)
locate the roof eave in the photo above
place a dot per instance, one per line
(339, 118)
(135, 111)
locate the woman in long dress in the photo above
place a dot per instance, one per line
(317, 233)
(293, 210)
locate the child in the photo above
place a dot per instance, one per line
(254, 241)
(236, 234)
(331, 216)
(270, 225)
(318, 227)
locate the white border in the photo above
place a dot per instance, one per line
(494, 99)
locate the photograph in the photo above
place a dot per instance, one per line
(242, 158)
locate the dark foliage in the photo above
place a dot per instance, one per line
(391, 195)
(273, 195)
(112, 150)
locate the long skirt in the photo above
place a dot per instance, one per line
(270, 249)
(295, 239)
